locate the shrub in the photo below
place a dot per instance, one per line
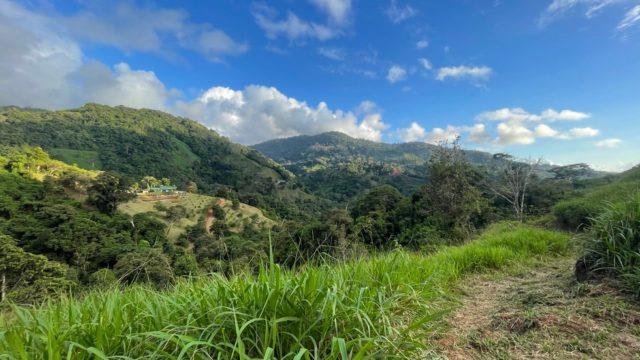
(612, 245)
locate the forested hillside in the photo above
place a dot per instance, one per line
(137, 143)
(338, 167)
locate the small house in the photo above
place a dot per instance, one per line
(163, 189)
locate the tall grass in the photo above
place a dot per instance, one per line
(613, 243)
(371, 307)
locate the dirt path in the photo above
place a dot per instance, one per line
(541, 313)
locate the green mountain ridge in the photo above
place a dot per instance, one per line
(141, 142)
(338, 167)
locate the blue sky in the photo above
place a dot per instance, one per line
(558, 79)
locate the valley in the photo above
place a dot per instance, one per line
(157, 238)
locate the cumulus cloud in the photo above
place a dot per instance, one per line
(513, 133)
(45, 69)
(399, 13)
(518, 126)
(396, 73)
(473, 73)
(415, 132)
(631, 18)
(609, 143)
(545, 131)
(121, 86)
(259, 113)
(576, 133)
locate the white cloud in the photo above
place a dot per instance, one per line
(131, 28)
(518, 126)
(509, 133)
(338, 10)
(259, 113)
(426, 64)
(583, 132)
(291, 27)
(544, 130)
(332, 53)
(478, 133)
(396, 73)
(474, 73)
(563, 115)
(415, 132)
(45, 69)
(631, 18)
(422, 44)
(35, 62)
(367, 107)
(521, 115)
(399, 13)
(609, 143)
(121, 86)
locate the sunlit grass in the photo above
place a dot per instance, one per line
(360, 308)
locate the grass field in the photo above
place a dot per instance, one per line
(196, 206)
(89, 160)
(381, 306)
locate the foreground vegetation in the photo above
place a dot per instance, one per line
(612, 244)
(379, 306)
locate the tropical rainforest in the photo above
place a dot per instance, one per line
(319, 246)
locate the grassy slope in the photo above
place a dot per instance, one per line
(376, 306)
(196, 206)
(576, 212)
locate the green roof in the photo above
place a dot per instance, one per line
(163, 188)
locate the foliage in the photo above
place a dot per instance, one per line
(370, 308)
(144, 266)
(28, 278)
(140, 143)
(612, 245)
(575, 212)
(107, 191)
(450, 200)
(49, 218)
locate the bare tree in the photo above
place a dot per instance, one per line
(512, 182)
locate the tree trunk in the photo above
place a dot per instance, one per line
(3, 287)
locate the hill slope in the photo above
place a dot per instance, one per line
(336, 166)
(340, 147)
(143, 142)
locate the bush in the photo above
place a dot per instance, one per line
(612, 246)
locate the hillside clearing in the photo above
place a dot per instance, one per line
(541, 312)
(196, 206)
